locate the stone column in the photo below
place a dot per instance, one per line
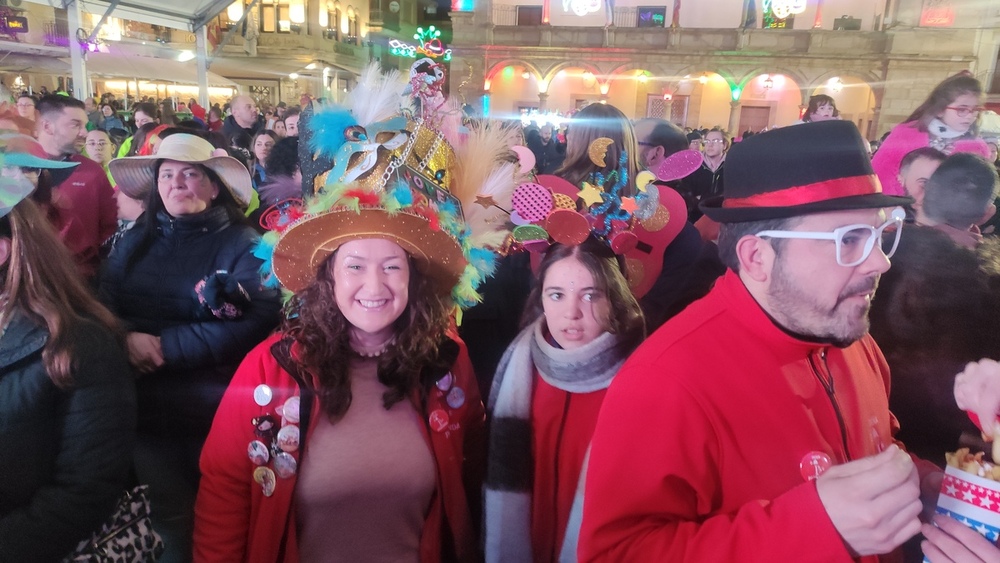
(543, 98)
(734, 117)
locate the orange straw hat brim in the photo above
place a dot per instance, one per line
(305, 245)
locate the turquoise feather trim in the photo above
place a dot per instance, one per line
(480, 262)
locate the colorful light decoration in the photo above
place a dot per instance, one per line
(784, 8)
(582, 7)
(430, 45)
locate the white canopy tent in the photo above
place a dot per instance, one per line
(190, 15)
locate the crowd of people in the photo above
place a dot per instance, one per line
(418, 338)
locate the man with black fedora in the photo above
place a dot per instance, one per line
(755, 425)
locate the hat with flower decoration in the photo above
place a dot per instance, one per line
(392, 175)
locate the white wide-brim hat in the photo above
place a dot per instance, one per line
(136, 175)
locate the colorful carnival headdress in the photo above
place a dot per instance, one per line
(552, 210)
(395, 176)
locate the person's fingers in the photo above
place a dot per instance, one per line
(864, 464)
(971, 539)
(933, 554)
(943, 542)
(905, 522)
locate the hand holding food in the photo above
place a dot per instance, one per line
(874, 502)
(977, 390)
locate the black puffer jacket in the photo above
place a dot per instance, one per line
(157, 296)
(65, 454)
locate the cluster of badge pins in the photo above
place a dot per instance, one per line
(454, 397)
(274, 445)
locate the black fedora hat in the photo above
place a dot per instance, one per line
(798, 170)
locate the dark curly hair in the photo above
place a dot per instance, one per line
(316, 324)
(284, 157)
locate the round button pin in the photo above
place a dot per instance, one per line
(262, 395)
(264, 477)
(814, 464)
(290, 410)
(285, 465)
(445, 382)
(258, 453)
(438, 420)
(288, 438)
(456, 397)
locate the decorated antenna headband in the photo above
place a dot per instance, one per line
(639, 228)
(380, 172)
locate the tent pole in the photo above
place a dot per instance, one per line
(78, 62)
(201, 44)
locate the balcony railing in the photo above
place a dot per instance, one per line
(504, 14)
(56, 33)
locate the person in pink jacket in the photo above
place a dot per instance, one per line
(948, 120)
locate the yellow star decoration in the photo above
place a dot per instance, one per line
(590, 194)
(486, 201)
(629, 205)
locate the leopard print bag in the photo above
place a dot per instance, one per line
(126, 537)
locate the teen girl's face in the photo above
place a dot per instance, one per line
(961, 113)
(576, 311)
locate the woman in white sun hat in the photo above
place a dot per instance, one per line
(186, 285)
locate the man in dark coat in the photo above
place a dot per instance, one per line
(245, 118)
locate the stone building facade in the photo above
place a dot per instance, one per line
(701, 70)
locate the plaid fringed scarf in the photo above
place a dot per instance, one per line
(510, 470)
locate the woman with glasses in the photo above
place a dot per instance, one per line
(948, 120)
(100, 148)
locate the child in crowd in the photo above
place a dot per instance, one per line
(948, 120)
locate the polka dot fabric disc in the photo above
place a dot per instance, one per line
(532, 201)
(562, 201)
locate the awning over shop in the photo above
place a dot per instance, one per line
(148, 68)
(177, 14)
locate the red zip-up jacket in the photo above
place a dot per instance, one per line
(697, 451)
(234, 521)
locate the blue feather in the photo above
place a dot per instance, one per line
(328, 126)
(403, 195)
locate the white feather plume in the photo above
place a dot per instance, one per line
(377, 97)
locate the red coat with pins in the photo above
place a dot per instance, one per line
(234, 521)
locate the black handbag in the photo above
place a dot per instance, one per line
(126, 537)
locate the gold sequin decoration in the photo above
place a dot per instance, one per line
(598, 149)
(634, 272)
(563, 201)
(659, 220)
(443, 157)
(320, 181)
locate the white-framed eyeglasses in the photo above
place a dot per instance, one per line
(854, 242)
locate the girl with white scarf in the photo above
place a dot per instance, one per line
(582, 322)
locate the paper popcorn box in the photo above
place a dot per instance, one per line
(972, 500)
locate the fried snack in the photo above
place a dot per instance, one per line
(973, 463)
